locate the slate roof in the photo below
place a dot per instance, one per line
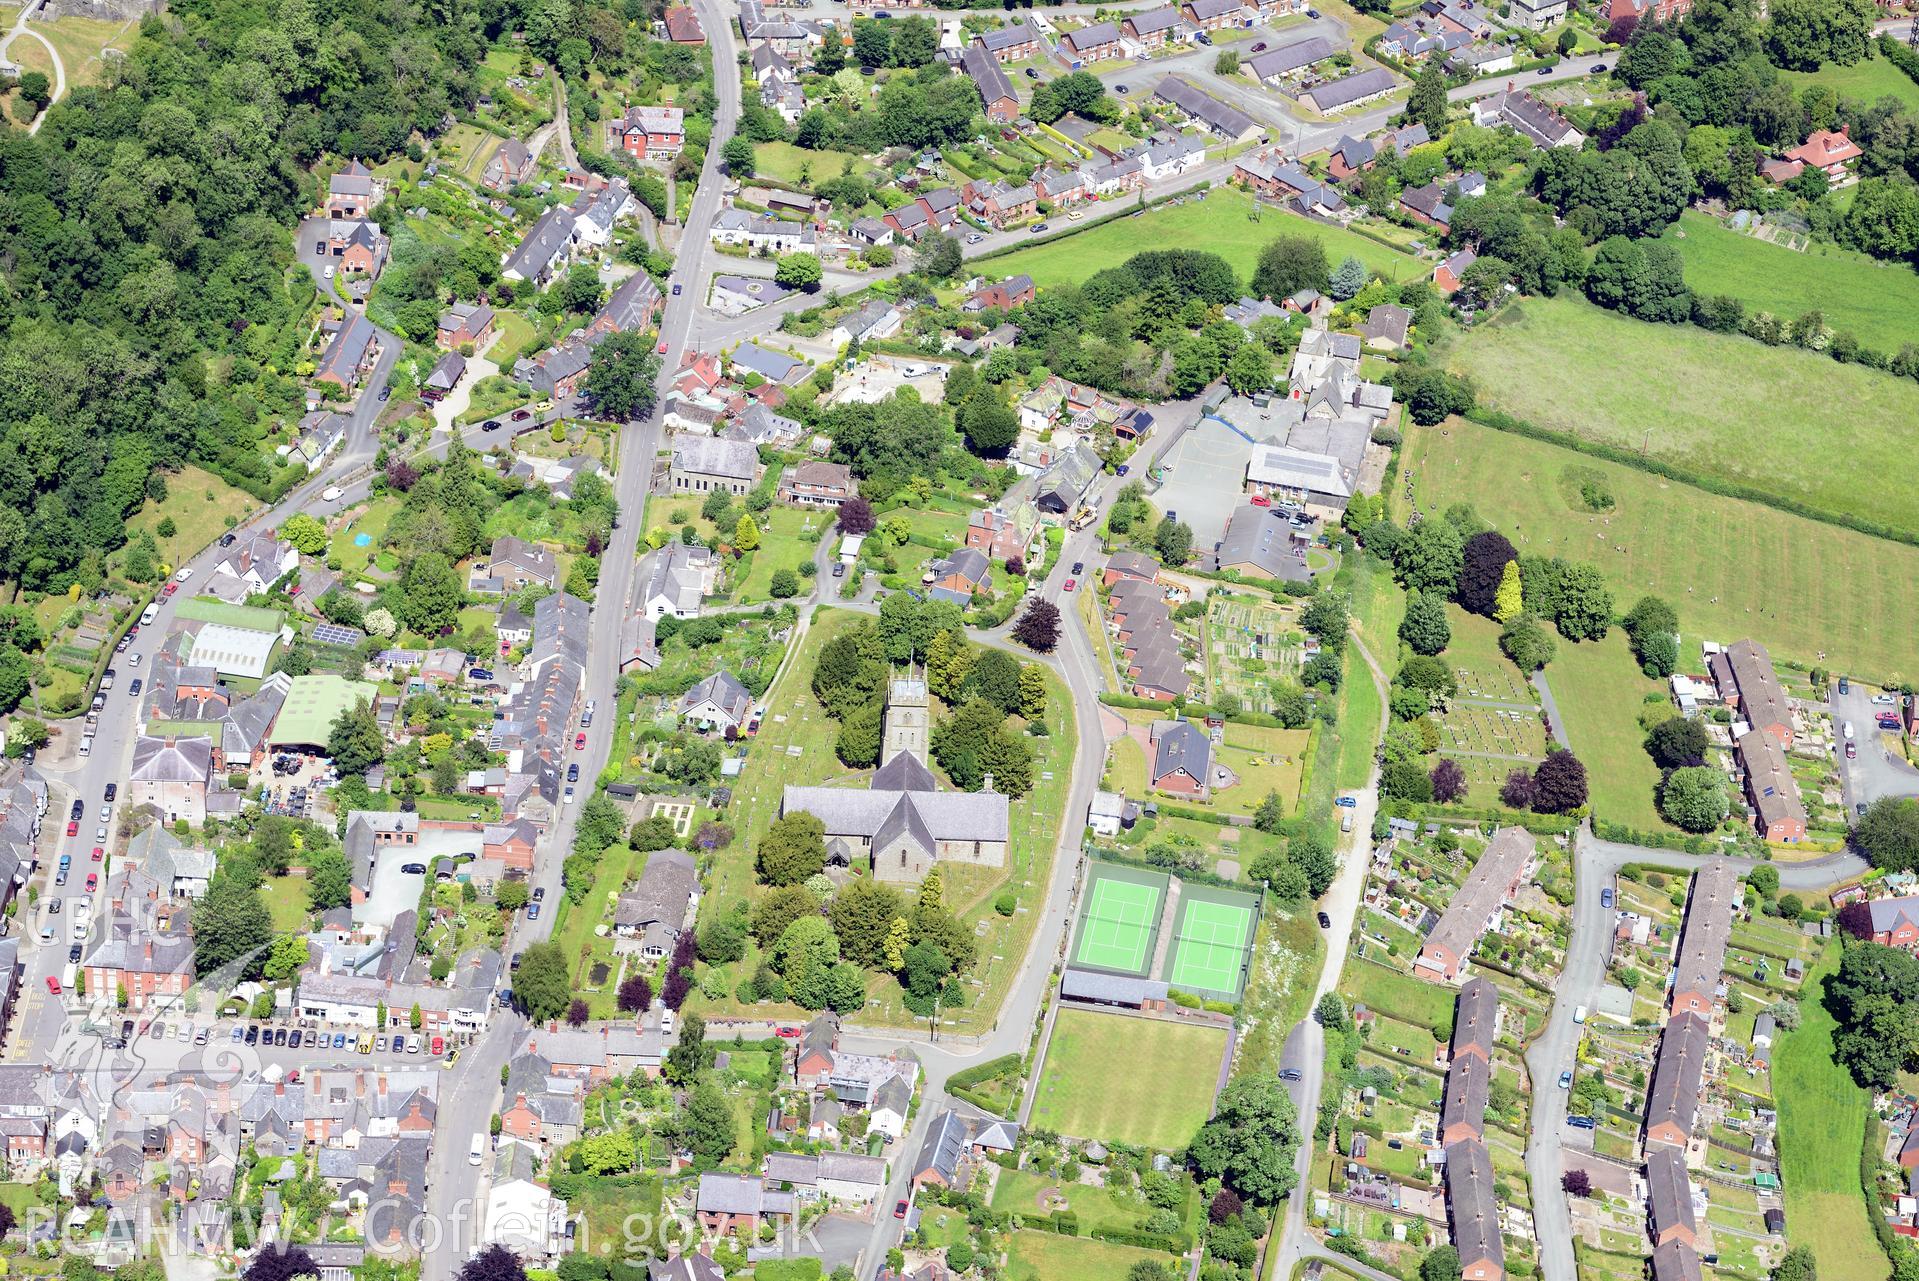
(945, 1143)
(1122, 989)
(631, 304)
(1668, 1193)
(1708, 926)
(545, 241)
(1673, 1098)
(1003, 38)
(1475, 1019)
(1472, 1209)
(1181, 747)
(1469, 910)
(1288, 58)
(725, 692)
(1676, 1261)
(1769, 779)
(1888, 914)
(1357, 87)
(1203, 107)
(1762, 700)
(1468, 1083)
(712, 456)
(171, 760)
(661, 895)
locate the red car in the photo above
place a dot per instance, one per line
(662, 346)
(1071, 583)
(53, 985)
(93, 881)
(169, 589)
(439, 1045)
(579, 742)
(1260, 500)
(73, 828)
(98, 853)
(788, 1032)
(899, 1211)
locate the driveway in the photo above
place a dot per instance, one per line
(447, 411)
(1876, 772)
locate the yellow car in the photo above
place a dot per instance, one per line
(366, 1042)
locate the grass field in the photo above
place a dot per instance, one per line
(1400, 995)
(1822, 1120)
(1723, 405)
(1048, 1256)
(198, 503)
(1599, 689)
(1878, 301)
(286, 898)
(1091, 1085)
(1867, 80)
(1028, 1192)
(1219, 224)
(1852, 595)
(782, 162)
(781, 547)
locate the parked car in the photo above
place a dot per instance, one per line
(1121, 90)
(1070, 584)
(53, 985)
(532, 911)
(1291, 1074)
(899, 1210)
(1566, 1079)
(1039, 227)
(1325, 921)
(579, 742)
(676, 290)
(788, 1032)
(521, 415)
(1879, 700)
(491, 424)
(1606, 898)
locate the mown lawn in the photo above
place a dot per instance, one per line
(1221, 224)
(782, 162)
(1048, 1256)
(1091, 1085)
(80, 43)
(1599, 691)
(198, 503)
(1400, 995)
(1878, 301)
(1868, 80)
(1822, 1124)
(1725, 406)
(781, 547)
(1852, 595)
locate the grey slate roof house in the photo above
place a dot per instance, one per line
(718, 702)
(660, 905)
(1182, 758)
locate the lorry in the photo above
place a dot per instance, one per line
(1081, 519)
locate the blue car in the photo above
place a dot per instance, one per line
(238, 1033)
(532, 911)
(339, 1040)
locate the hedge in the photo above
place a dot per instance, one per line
(1538, 824)
(991, 1070)
(1145, 1240)
(1658, 840)
(1264, 720)
(1902, 57)
(1125, 210)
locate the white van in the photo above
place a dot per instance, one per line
(86, 745)
(151, 612)
(331, 492)
(478, 1150)
(1579, 1014)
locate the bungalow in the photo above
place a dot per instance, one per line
(1475, 60)
(1350, 91)
(817, 484)
(1206, 110)
(762, 233)
(873, 322)
(1288, 60)
(1386, 327)
(871, 231)
(681, 578)
(964, 572)
(661, 903)
(508, 167)
(1153, 28)
(1182, 758)
(1010, 44)
(1527, 116)
(774, 366)
(464, 323)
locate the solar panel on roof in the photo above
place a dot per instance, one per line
(337, 634)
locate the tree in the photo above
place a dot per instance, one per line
(233, 927)
(542, 986)
(1576, 1182)
(1427, 104)
(738, 156)
(793, 849)
(1797, 1265)
(799, 271)
(580, 288)
(1250, 370)
(1440, 1264)
(1482, 567)
(1888, 834)
(707, 1124)
(1430, 556)
(1525, 642)
(1694, 798)
(1312, 853)
(577, 1012)
(1678, 742)
(1653, 627)
(784, 585)
(863, 914)
(1559, 783)
(328, 883)
(1585, 604)
(285, 1264)
(939, 256)
(1347, 279)
(1510, 600)
(1250, 1140)
(1332, 1013)
(1643, 278)
(1449, 781)
(430, 596)
(1517, 791)
(779, 908)
(856, 516)
(635, 994)
(746, 533)
(305, 532)
(1173, 540)
(690, 1055)
(988, 423)
(1432, 395)
(1038, 627)
(1764, 879)
(622, 377)
(1289, 264)
(1425, 629)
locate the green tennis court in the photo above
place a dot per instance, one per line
(1120, 920)
(1210, 948)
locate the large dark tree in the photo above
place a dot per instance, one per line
(278, 1263)
(1449, 781)
(856, 516)
(1677, 743)
(1559, 783)
(1517, 791)
(1289, 264)
(1484, 561)
(542, 987)
(1038, 627)
(622, 376)
(1888, 834)
(635, 994)
(1250, 1141)
(495, 1263)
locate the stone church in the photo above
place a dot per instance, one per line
(901, 820)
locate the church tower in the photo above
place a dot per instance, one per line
(908, 718)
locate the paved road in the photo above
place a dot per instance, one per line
(1597, 865)
(20, 28)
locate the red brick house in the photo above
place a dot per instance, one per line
(1895, 921)
(659, 132)
(1832, 150)
(1136, 566)
(1003, 295)
(683, 26)
(510, 843)
(462, 323)
(1447, 275)
(1182, 758)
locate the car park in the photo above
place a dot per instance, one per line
(1883, 700)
